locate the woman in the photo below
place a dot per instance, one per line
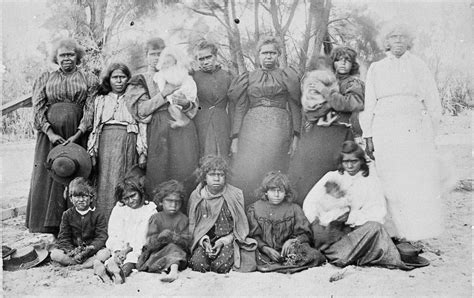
(362, 239)
(172, 152)
(320, 139)
(401, 118)
(266, 124)
(213, 119)
(117, 140)
(60, 99)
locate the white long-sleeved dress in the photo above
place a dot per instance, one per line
(402, 114)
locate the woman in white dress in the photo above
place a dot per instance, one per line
(399, 123)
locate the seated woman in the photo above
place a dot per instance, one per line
(363, 240)
(281, 229)
(218, 223)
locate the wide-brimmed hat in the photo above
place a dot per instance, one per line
(7, 251)
(66, 162)
(410, 255)
(25, 258)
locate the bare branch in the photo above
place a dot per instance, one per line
(290, 17)
(338, 20)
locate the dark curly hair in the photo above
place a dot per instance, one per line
(81, 186)
(155, 43)
(345, 51)
(211, 163)
(68, 43)
(130, 184)
(104, 87)
(166, 188)
(351, 147)
(204, 44)
(275, 179)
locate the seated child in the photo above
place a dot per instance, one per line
(218, 223)
(281, 229)
(333, 204)
(83, 231)
(128, 226)
(172, 71)
(167, 244)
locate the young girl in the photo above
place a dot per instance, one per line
(280, 227)
(168, 238)
(171, 71)
(128, 226)
(83, 230)
(218, 223)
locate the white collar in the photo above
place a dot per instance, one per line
(85, 211)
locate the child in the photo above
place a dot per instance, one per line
(334, 204)
(168, 238)
(83, 231)
(128, 225)
(172, 71)
(281, 229)
(218, 223)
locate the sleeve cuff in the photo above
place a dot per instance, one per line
(45, 127)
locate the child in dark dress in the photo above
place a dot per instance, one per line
(168, 238)
(281, 229)
(83, 231)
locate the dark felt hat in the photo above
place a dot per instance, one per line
(410, 255)
(25, 258)
(65, 163)
(7, 251)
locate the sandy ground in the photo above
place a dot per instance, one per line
(450, 273)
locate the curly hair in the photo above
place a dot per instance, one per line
(391, 27)
(275, 179)
(130, 184)
(167, 188)
(80, 186)
(204, 44)
(351, 147)
(70, 44)
(155, 43)
(269, 40)
(104, 87)
(211, 163)
(345, 51)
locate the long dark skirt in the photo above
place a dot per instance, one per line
(213, 128)
(117, 154)
(366, 245)
(264, 141)
(172, 153)
(46, 202)
(315, 156)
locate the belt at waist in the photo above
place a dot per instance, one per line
(266, 102)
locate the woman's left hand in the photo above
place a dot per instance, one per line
(294, 145)
(179, 99)
(285, 250)
(74, 138)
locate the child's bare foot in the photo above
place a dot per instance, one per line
(99, 270)
(172, 276)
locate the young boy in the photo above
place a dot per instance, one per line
(83, 231)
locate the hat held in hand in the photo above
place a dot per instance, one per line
(66, 162)
(25, 258)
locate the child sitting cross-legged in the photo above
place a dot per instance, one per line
(167, 245)
(281, 229)
(83, 231)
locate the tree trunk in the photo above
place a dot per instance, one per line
(320, 13)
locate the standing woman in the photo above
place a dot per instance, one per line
(117, 140)
(213, 119)
(266, 124)
(60, 99)
(320, 140)
(401, 118)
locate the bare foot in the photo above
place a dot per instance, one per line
(99, 270)
(170, 277)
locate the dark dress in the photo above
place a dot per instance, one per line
(272, 225)
(59, 101)
(319, 145)
(267, 116)
(167, 243)
(172, 152)
(213, 118)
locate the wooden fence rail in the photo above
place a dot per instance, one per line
(16, 104)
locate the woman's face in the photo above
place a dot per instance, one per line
(118, 81)
(215, 180)
(268, 56)
(67, 59)
(171, 203)
(351, 163)
(276, 195)
(132, 199)
(206, 60)
(343, 65)
(398, 43)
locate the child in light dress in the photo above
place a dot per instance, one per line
(172, 71)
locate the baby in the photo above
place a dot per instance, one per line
(334, 204)
(173, 72)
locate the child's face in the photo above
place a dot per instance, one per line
(81, 201)
(351, 163)
(132, 199)
(343, 65)
(276, 195)
(168, 61)
(335, 191)
(171, 203)
(215, 180)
